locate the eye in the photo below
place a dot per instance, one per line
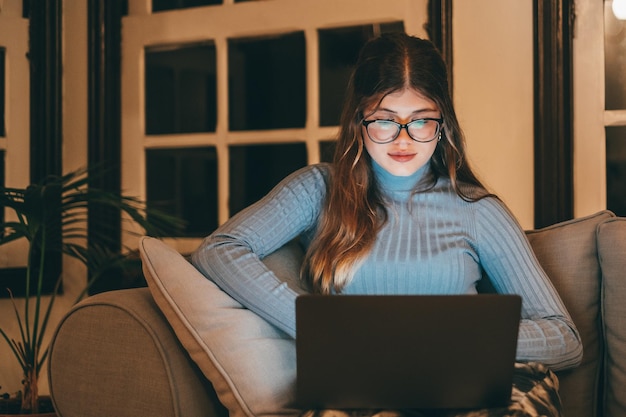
(418, 124)
(385, 124)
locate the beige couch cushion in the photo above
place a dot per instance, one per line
(612, 249)
(568, 253)
(250, 363)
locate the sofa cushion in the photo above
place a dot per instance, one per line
(568, 253)
(250, 363)
(612, 250)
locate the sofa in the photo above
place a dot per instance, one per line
(181, 347)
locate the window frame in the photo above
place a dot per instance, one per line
(590, 117)
(141, 29)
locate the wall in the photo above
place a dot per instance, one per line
(74, 156)
(493, 92)
(589, 135)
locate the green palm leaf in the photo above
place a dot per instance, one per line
(52, 216)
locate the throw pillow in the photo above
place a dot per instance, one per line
(251, 364)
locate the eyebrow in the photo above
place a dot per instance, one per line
(416, 112)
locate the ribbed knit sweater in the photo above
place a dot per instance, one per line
(434, 242)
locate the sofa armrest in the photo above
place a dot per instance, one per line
(114, 354)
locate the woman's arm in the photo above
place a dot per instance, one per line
(547, 333)
(231, 256)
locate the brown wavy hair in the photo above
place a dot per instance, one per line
(354, 210)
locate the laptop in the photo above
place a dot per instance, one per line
(405, 351)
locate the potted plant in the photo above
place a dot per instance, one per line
(52, 216)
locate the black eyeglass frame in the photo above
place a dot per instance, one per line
(405, 126)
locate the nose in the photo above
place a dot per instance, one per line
(403, 135)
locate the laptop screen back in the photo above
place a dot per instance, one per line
(413, 351)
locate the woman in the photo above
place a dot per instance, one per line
(398, 212)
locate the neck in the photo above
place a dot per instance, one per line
(389, 182)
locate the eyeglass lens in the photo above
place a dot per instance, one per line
(386, 130)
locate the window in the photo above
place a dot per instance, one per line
(599, 117)
(183, 182)
(229, 103)
(14, 130)
(255, 169)
(180, 89)
(160, 5)
(267, 82)
(616, 169)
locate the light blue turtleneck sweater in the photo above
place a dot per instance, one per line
(433, 243)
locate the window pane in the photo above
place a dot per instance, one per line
(338, 51)
(181, 92)
(327, 150)
(267, 82)
(616, 169)
(2, 91)
(256, 169)
(615, 59)
(160, 5)
(183, 182)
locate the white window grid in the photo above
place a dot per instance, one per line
(218, 24)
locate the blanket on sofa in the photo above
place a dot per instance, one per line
(535, 393)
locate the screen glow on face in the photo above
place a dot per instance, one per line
(397, 121)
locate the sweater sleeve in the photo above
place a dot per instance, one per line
(547, 333)
(231, 256)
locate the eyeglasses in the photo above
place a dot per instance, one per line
(386, 131)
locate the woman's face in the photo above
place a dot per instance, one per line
(403, 156)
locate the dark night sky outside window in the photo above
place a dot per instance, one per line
(616, 169)
(327, 149)
(183, 182)
(162, 5)
(181, 92)
(267, 82)
(256, 169)
(615, 62)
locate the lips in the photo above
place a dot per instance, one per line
(402, 157)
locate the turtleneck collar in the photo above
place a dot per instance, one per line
(393, 183)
